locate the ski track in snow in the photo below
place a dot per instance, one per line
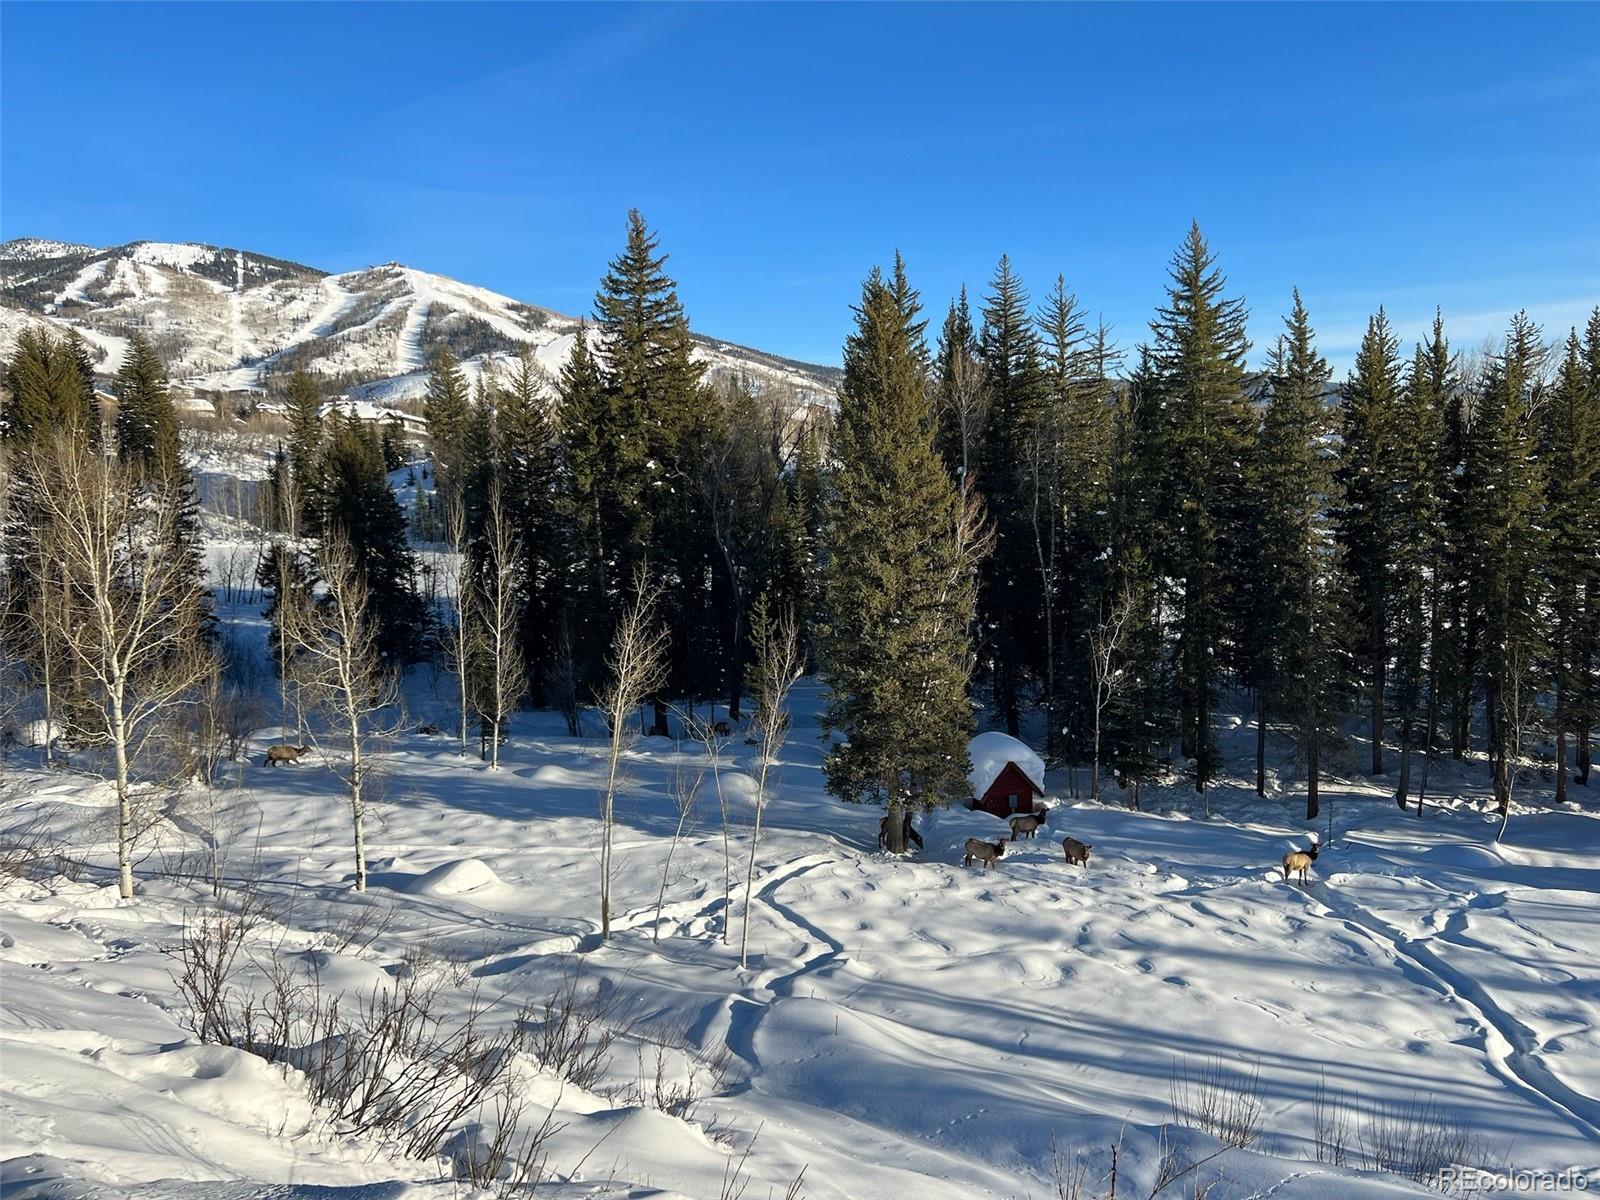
(1509, 1046)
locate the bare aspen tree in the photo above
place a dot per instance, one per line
(132, 630)
(965, 407)
(778, 667)
(457, 577)
(685, 793)
(1105, 643)
(338, 663)
(500, 617)
(291, 600)
(638, 666)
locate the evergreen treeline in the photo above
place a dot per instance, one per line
(1015, 525)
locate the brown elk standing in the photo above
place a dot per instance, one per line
(1077, 852)
(988, 853)
(1027, 824)
(283, 754)
(1298, 862)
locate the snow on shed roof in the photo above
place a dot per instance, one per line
(990, 752)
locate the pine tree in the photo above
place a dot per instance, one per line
(1199, 351)
(659, 407)
(304, 398)
(1139, 721)
(51, 390)
(1502, 498)
(1586, 713)
(448, 410)
(147, 423)
(1296, 617)
(1570, 454)
(526, 454)
(359, 509)
(1421, 547)
(901, 549)
(1008, 602)
(1369, 478)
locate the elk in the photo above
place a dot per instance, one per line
(988, 853)
(283, 754)
(1027, 825)
(722, 729)
(1077, 852)
(1298, 862)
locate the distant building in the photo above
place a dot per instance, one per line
(369, 413)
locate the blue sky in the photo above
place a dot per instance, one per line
(1371, 154)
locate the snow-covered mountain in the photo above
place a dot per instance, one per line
(227, 319)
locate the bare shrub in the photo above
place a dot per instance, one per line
(571, 1033)
(1415, 1139)
(1331, 1125)
(1218, 1100)
(505, 1165)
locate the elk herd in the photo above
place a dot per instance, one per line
(1296, 864)
(1024, 825)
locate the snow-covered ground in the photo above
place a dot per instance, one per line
(907, 1028)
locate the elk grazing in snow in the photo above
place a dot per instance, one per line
(283, 754)
(1027, 825)
(1298, 862)
(988, 853)
(1077, 852)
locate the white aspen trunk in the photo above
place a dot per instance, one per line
(119, 744)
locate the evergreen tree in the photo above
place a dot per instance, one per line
(1421, 546)
(1199, 351)
(526, 454)
(51, 390)
(1139, 721)
(601, 502)
(901, 547)
(1009, 611)
(655, 396)
(448, 410)
(147, 423)
(358, 506)
(1570, 452)
(1586, 709)
(1369, 473)
(1502, 499)
(1296, 617)
(304, 398)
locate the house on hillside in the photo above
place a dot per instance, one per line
(1007, 777)
(369, 413)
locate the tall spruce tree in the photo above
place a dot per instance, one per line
(1138, 723)
(147, 423)
(1586, 714)
(1570, 454)
(1199, 351)
(655, 395)
(601, 501)
(1369, 472)
(901, 550)
(1009, 608)
(1297, 616)
(358, 505)
(1418, 571)
(448, 410)
(1503, 498)
(527, 455)
(304, 398)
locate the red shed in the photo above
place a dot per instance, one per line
(1006, 775)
